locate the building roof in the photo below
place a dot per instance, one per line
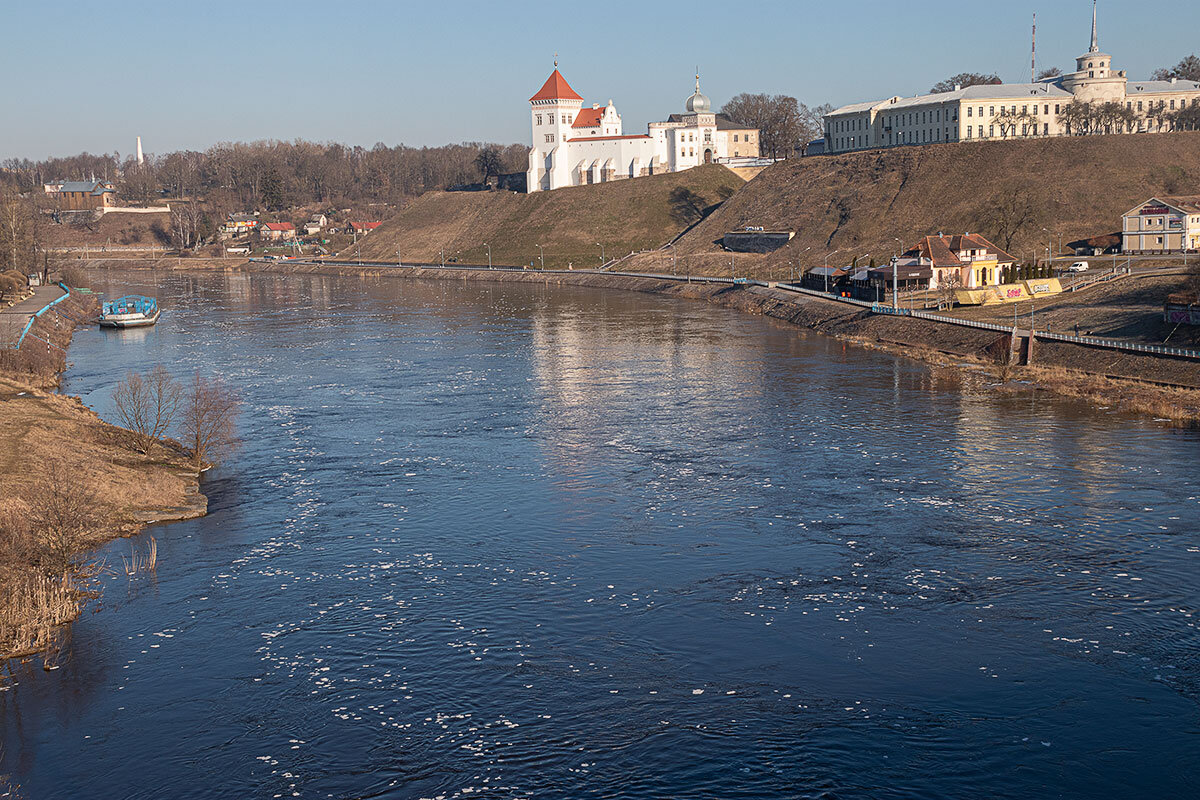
(93, 187)
(608, 138)
(1189, 204)
(555, 88)
(942, 251)
(588, 118)
(999, 91)
(278, 226)
(1160, 87)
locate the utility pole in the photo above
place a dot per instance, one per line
(542, 256)
(442, 250)
(601, 246)
(489, 249)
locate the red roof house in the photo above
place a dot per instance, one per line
(277, 230)
(364, 227)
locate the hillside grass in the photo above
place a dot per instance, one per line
(624, 215)
(860, 203)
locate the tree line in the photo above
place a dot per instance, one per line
(273, 175)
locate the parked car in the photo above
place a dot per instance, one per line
(1078, 266)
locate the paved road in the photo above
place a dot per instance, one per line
(12, 320)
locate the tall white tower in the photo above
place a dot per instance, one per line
(552, 113)
(139, 151)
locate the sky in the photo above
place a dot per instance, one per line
(185, 75)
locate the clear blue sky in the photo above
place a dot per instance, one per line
(91, 76)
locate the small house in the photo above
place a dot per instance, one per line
(363, 228)
(82, 195)
(316, 223)
(277, 231)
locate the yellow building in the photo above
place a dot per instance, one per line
(1162, 225)
(1088, 100)
(968, 260)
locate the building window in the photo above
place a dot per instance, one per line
(1056, 107)
(539, 119)
(735, 137)
(991, 130)
(991, 111)
(549, 137)
(1046, 129)
(968, 131)
(969, 110)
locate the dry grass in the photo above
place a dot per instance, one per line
(623, 215)
(138, 562)
(33, 610)
(1167, 403)
(51, 516)
(860, 202)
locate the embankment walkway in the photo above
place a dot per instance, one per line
(13, 320)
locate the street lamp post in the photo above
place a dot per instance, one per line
(542, 256)
(489, 249)
(601, 246)
(799, 264)
(896, 275)
(1049, 248)
(827, 255)
(442, 250)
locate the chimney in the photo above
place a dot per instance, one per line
(1174, 79)
(958, 87)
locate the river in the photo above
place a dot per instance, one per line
(507, 541)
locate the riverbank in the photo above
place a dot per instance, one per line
(68, 484)
(1138, 383)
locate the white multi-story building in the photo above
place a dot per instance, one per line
(575, 146)
(1012, 110)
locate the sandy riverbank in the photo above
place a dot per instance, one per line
(1162, 387)
(68, 484)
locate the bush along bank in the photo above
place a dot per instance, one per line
(69, 482)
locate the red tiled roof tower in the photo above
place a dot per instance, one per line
(555, 88)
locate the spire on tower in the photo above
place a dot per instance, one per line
(1095, 40)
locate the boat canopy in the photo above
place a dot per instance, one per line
(131, 304)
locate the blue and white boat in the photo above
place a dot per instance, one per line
(130, 311)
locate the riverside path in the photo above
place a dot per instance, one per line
(14, 319)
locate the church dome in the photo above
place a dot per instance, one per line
(698, 103)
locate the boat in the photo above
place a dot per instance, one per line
(130, 311)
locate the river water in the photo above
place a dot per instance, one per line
(506, 541)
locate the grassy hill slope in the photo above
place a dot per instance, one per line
(861, 202)
(624, 215)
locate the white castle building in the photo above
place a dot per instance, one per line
(1011, 110)
(575, 146)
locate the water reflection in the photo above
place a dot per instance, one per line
(511, 541)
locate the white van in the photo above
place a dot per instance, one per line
(1078, 266)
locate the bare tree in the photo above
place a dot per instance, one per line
(1010, 120)
(146, 405)
(488, 162)
(61, 511)
(1188, 69)
(948, 286)
(778, 118)
(187, 225)
(1050, 72)
(1008, 215)
(965, 79)
(210, 408)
